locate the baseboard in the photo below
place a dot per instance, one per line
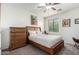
(5, 49)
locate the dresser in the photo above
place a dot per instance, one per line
(17, 37)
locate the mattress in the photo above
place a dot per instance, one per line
(45, 40)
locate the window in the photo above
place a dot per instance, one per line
(53, 25)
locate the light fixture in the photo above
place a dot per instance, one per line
(48, 7)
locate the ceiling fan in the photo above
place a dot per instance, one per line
(49, 6)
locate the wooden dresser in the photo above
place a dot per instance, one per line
(17, 37)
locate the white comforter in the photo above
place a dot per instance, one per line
(45, 40)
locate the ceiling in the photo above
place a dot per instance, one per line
(33, 7)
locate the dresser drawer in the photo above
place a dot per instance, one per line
(17, 44)
(18, 34)
(18, 39)
(18, 30)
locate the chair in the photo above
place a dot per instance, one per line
(76, 42)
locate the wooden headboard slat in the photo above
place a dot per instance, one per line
(33, 28)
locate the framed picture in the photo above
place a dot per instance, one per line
(66, 23)
(77, 21)
(33, 20)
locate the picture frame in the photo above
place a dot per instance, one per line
(66, 23)
(77, 21)
(33, 20)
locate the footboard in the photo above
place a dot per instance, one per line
(51, 50)
(57, 47)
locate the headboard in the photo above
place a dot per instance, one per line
(33, 28)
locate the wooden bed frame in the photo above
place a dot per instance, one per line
(54, 49)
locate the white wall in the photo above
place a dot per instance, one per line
(67, 32)
(14, 15)
(0, 29)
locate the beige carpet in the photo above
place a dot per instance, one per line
(31, 50)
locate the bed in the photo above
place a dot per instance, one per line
(48, 43)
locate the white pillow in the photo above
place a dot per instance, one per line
(32, 32)
(38, 32)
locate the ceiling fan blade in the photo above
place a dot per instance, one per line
(48, 4)
(41, 6)
(56, 3)
(53, 8)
